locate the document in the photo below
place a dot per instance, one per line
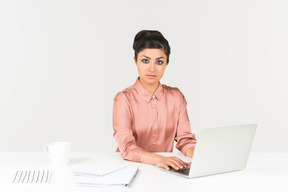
(32, 177)
(96, 170)
(120, 178)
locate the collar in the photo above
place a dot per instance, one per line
(145, 94)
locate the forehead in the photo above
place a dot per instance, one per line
(152, 53)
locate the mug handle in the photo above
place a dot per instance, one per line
(46, 147)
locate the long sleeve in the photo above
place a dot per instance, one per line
(145, 122)
(123, 133)
(185, 139)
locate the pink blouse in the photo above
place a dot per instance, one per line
(145, 122)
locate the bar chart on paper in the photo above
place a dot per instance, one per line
(32, 177)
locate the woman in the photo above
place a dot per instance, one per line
(149, 116)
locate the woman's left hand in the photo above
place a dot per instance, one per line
(190, 152)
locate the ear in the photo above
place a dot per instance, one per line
(135, 60)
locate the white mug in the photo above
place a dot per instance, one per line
(58, 152)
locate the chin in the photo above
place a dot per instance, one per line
(152, 81)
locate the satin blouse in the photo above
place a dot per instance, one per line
(150, 122)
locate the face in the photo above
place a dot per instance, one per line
(151, 64)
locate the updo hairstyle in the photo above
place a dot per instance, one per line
(150, 39)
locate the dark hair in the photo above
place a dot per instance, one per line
(150, 39)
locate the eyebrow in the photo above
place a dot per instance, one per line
(150, 58)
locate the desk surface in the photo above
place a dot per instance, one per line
(264, 172)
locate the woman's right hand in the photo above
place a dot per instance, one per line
(163, 162)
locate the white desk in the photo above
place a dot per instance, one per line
(264, 172)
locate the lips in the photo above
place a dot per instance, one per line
(151, 76)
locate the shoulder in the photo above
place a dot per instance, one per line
(124, 94)
(171, 90)
(175, 93)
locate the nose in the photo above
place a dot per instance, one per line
(152, 67)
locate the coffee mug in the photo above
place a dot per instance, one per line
(58, 152)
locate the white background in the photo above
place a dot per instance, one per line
(62, 63)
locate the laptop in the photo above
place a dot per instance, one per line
(219, 150)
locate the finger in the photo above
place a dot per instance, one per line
(174, 164)
(165, 166)
(181, 164)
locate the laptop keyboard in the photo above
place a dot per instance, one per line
(184, 171)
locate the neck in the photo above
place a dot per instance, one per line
(151, 88)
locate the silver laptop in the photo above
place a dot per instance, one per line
(220, 150)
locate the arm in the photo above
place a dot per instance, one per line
(122, 125)
(186, 141)
(190, 151)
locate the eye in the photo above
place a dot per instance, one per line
(159, 62)
(145, 61)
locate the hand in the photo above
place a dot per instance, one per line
(190, 152)
(164, 162)
(167, 162)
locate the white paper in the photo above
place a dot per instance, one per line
(121, 177)
(32, 177)
(99, 169)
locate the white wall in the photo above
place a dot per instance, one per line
(62, 62)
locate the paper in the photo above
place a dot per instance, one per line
(122, 177)
(99, 169)
(32, 176)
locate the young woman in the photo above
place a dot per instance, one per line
(148, 116)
